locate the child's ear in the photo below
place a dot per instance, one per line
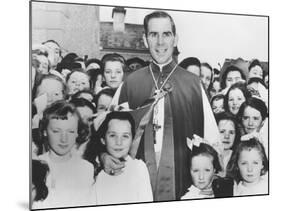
(102, 141)
(44, 133)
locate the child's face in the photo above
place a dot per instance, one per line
(215, 88)
(256, 72)
(118, 138)
(217, 106)
(103, 103)
(232, 78)
(202, 171)
(251, 119)
(250, 165)
(235, 99)
(62, 134)
(227, 133)
(205, 76)
(86, 113)
(53, 89)
(113, 74)
(78, 81)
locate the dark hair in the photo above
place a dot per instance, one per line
(216, 71)
(158, 14)
(230, 117)
(107, 91)
(59, 110)
(81, 102)
(40, 170)
(242, 87)
(254, 63)
(93, 73)
(51, 41)
(231, 68)
(254, 103)
(135, 60)
(185, 63)
(207, 150)
(232, 170)
(121, 115)
(45, 77)
(113, 57)
(256, 80)
(69, 62)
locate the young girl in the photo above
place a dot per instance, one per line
(206, 76)
(229, 136)
(47, 90)
(133, 184)
(114, 66)
(204, 164)
(217, 103)
(77, 80)
(253, 118)
(230, 76)
(248, 167)
(235, 96)
(71, 178)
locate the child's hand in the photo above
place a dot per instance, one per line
(112, 166)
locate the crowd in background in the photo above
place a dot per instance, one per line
(75, 103)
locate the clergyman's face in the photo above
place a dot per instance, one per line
(160, 39)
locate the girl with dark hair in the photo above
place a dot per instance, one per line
(71, 178)
(248, 168)
(229, 136)
(116, 133)
(114, 67)
(204, 165)
(230, 76)
(252, 116)
(217, 103)
(235, 96)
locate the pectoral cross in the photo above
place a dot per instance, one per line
(156, 125)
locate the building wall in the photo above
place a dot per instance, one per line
(74, 27)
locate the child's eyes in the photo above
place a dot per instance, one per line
(207, 170)
(195, 170)
(222, 131)
(55, 131)
(71, 131)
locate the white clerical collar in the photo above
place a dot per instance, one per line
(162, 65)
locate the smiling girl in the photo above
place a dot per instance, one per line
(71, 178)
(133, 184)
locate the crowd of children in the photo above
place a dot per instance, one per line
(76, 118)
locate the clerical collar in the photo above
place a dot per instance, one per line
(164, 68)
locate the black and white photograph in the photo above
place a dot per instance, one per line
(144, 105)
